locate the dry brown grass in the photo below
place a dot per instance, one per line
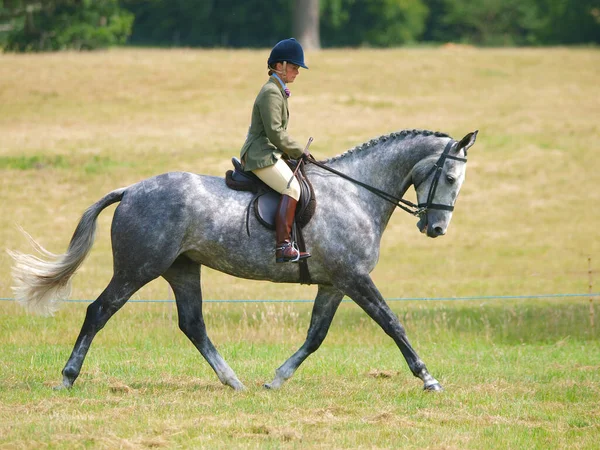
(526, 221)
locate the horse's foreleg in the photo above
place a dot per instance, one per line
(325, 306)
(184, 278)
(364, 292)
(109, 302)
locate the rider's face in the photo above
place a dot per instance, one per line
(291, 72)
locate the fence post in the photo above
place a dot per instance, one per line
(590, 287)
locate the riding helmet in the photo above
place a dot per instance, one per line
(288, 50)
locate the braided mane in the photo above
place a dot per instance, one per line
(395, 135)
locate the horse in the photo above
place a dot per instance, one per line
(172, 224)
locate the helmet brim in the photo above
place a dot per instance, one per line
(298, 63)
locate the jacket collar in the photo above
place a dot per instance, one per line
(280, 84)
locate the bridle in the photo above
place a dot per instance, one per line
(436, 170)
(416, 210)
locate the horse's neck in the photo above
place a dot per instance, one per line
(386, 166)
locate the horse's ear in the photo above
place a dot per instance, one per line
(467, 142)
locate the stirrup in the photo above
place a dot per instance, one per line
(284, 259)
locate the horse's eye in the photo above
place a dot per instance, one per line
(450, 179)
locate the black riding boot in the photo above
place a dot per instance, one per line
(284, 251)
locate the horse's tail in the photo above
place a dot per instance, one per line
(41, 283)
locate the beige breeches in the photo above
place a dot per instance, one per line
(278, 176)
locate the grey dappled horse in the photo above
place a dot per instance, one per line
(172, 224)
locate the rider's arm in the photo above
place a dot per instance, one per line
(271, 111)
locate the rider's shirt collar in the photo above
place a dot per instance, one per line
(283, 85)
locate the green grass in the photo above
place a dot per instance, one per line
(95, 164)
(37, 162)
(516, 376)
(518, 373)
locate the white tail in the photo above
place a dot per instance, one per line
(41, 283)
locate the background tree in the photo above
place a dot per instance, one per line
(46, 25)
(570, 21)
(38, 25)
(514, 22)
(489, 22)
(306, 23)
(209, 23)
(378, 23)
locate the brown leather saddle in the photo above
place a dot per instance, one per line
(266, 200)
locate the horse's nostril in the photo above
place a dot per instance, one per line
(438, 231)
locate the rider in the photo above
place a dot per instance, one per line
(268, 143)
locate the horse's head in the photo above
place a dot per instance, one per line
(437, 180)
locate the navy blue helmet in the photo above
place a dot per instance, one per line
(288, 50)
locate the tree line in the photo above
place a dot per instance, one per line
(49, 25)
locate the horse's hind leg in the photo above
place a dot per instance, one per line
(109, 302)
(184, 278)
(325, 306)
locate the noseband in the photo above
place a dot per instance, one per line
(436, 170)
(405, 205)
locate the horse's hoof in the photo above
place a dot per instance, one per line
(237, 386)
(67, 383)
(435, 387)
(272, 386)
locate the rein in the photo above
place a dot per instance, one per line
(405, 205)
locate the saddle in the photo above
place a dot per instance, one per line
(265, 200)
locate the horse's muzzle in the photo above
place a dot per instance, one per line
(432, 231)
(435, 231)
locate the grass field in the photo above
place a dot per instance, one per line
(518, 374)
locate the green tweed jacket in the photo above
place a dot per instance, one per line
(267, 139)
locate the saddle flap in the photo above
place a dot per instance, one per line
(265, 208)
